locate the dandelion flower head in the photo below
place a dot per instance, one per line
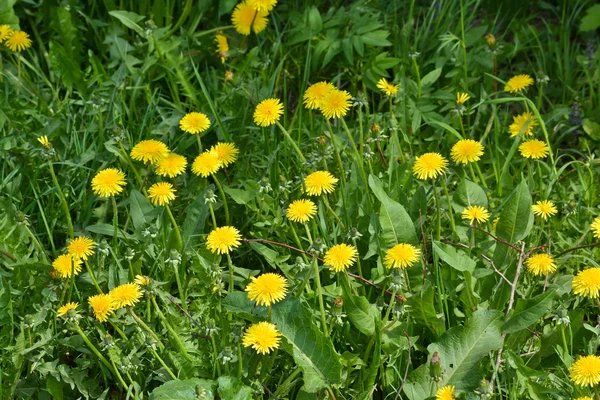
(466, 151)
(262, 5)
(315, 94)
(5, 32)
(226, 152)
(335, 104)
(387, 88)
(81, 247)
(262, 337)
(402, 256)
(223, 239)
(194, 122)
(161, 193)
(44, 141)
(149, 151)
(544, 209)
(595, 227)
(523, 122)
(244, 17)
(66, 265)
(340, 257)
(301, 211)
(267, 112)
(534, 149)
(445, 393)
(475, 214)
(206, 164)
(102, 306)
(267, 289)
(222, 46)
(541, 264)
(320, 182)
(518, 83)
(18, 41)
(586, 371)
(462, 98)
(587, 283)
(108, 182)
(125, 295)
(171, 166)
(429, 166)
(66, 308)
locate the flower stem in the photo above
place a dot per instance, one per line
(326, 201)
(180, 287)
(92, 277)
(63, 201)
(216, 366)
(450, 212)
(437, 208)
(212, 215)
(146, 328)
(138, 177)
(115, 223)
(176, 227)
(230, 265)
(359, 160)
(172, 331)
(337, 155)
(199, 143)
(320, 294)
(292, 142)
(222, 193)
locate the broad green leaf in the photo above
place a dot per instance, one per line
(396, 225)
(361, 313)
(528, 312)
(469, 194)
(312, 350)
(455, 258)
(240, 196)
(184, 390)
(516, 220)
(591, 20)
(423, 311)
(418, 385)
(231, 388)
(139, 206)
(431, 77)
(462, 348)
(129, 19)
(271, 256)
(239, 303)
(196, 215)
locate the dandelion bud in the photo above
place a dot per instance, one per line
(491, 39)
(338, 302)
(435, 368)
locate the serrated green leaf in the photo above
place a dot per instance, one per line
(462, 348)
(528, 312)
(129, 19)
(239, 303)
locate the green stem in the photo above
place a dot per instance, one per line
(326, 201)
(92, 277)
(146, 328)
(390, 306)
(337, 155)
(480, 176)
(138, 177)
(231, 281)
(176, 227)
(222, 193)
(216, 366)
(212, 215)
(292, 142)
(320, 294)
(359, 159)
(180, 287)
(115, 223)
(172, 331)
(438, 232)
(199, 142)
(450, 212)
(63, 201)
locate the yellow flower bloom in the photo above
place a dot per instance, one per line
(149, 151)
(466, 151)
(475, 213)
(206, 164)
(587, 283)
(108, 182)
(242, 18)
(495, 223)
(584, 398)
(224, 239)
(544, 209)
(66, 308)
(44, 141)
(171, 166)
(445, 393)
(267, 112)
(462, 98)
(541, 264)
(402, 255)
(228, 76)
(387, 88)
(340, 257)
(262, 5)
(5, 32)
(142, 280)
(429, 166)
(18, 41)
(66, 265)
(102, 306)
(586, 371)
(518, 83)
(523, 122)
(81, 247)
(335, 104)
(315, 94)
(534, 149)
(490, 39)
(595, 227)
(301, 211)
(267, 289)
(222, 46)
(161, 193)
(226, 152)
(125, 295)
(262, 337)
(320, 182)
(194, 122)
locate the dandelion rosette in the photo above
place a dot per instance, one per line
(262, 337)
(313, 96)
(340, 257)
(544, 209)
(171, 166)
(102, 306)
(466, 151)
(429, 166)
(301, 211)
(125, 295)
(149, 151)
(223, 239)
(161, 193)
(320, 182)
(587, 283)
(541, 264)
(267, 289)
(194, 123)
(267, 112)
(586, 371)
(108, 182)
(402, 256)
(475, 213)
(244, 18)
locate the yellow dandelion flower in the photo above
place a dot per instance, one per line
(66, 265)
(335, 104)
(44, 141)
(108, 182)
(81, 247)
(402, 255)
(125, 295)
(224, 239)
(544, 209)
(262, 5)
(387, 88)
(587, 283)
(466, 151)
(262, 337)
(301, 211)
(541, 264)
(462, 98)
(149, 151)
(228, 76)
(267, 289)
(495, 223)
(102, 306)
(222, 46)
(66, 308)
(171, 166)
(5, 32)
(584, 398)
(226, 152)
(429, 166)
(595, 227)
(194, 122)
(18, 41)
(340, 257)
(475, 213)
(267, 112)
(320, 182)
(142, 280)
(534, 149)
(161, 193)
(206, 164)
(518, 83)
(490, 39)
(523, 122)
(586, 371)
(315, 94)
(245, 17)
(445, 393)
